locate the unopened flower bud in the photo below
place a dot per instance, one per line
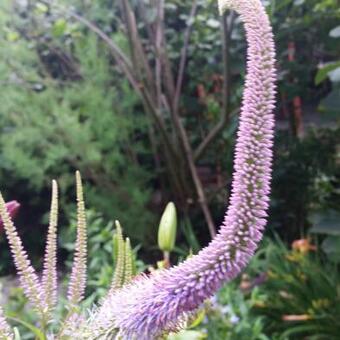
(167, 228)
(12, 208)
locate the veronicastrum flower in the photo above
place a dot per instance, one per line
(42, 294)
(149, 306)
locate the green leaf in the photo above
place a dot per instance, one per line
(16, 334)
(301, 329)
(190, 236)
(41, 8)
(12, 36)
(331, 246)
(335, 32)
(331, 103)
(198, 319)
(187, 335)
(35, 330)
(279, 5)
(59, 27)
(213, 23)
(322, 74)
(334, 75)
(326, 223)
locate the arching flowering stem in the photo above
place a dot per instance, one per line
(152, 305)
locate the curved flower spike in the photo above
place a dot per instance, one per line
(150, 306)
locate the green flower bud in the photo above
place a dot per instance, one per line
(167, 228)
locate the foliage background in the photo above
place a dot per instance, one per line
(66, 104)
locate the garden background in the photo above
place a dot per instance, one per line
(143, 98)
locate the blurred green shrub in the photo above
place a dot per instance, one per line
(305, 179)
(81, 116)
(327, 224)
(231, 316)
(284, 295)
(300, 297)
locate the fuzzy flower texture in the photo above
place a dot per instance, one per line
(149, 306)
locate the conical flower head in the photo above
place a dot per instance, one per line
(167, 228)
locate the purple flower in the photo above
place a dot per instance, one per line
(151, 306)
(12, 208)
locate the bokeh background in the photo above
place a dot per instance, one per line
(142, 97)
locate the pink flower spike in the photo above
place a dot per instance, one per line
(12, 208)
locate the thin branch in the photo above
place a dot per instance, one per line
(183, 133)
(142, 11)
(126, 67)
(170, 152)
(148, 104)
(168, 77)
(156, 36)
(214, 132)
(158, 47)
(122, 60)
(183, 58)
(197, 181)
(164, 74)
(169, 82)
(226, 31)
(148, 101)
(226, 35)
(139, 57)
